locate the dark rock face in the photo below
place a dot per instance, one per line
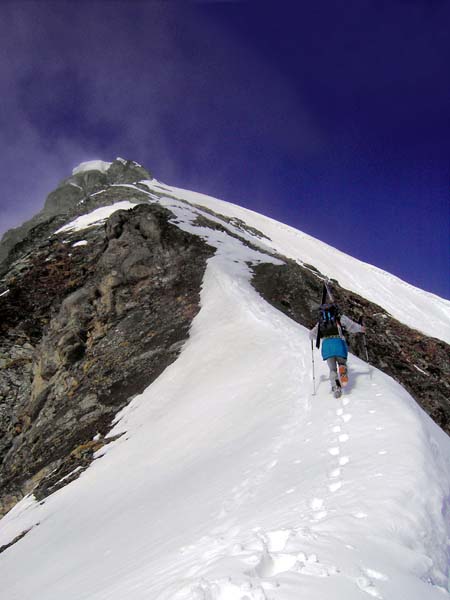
(84, 329)
(14, 541)
(419, 363)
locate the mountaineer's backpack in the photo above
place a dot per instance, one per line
(329, 323)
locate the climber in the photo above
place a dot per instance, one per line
(334, 347)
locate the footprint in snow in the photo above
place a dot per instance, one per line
(334, 487)
(314, 568)
(276, 540)
(317, 506)
(282, 552)
(320, 515)
(366, 585)
(334, 451)
(226, 588)
(316, 503)
(344, 437)
(376, 574)
(344, 460)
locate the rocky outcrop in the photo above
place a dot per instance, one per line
(84, 329)
(421, 364)
(73, 196)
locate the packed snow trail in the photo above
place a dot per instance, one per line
(231, 482)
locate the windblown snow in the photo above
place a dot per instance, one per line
(231, 481)
(91, 165)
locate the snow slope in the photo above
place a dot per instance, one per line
(94, 218)
(232, 482)
(412, 306)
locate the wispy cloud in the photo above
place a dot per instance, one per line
(151, 81)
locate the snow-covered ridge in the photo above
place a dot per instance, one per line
(410, 305)
(233, 482)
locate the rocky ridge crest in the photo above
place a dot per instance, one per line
(73, 196)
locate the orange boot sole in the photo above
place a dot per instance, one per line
(343, 376)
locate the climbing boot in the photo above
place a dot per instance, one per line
(343, 375)
(336, 389)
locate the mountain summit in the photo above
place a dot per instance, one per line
(159, 432)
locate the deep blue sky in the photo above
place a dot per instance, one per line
(333, 117)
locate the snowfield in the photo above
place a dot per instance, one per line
(231, 481)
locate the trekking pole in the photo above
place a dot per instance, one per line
(313, 370)
(365, 347)
(364, 339)
(361, 320)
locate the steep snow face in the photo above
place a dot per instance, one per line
(412, 306)
(231, 481)
(92, 165)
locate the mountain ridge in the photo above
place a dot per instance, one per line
(122, 309)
